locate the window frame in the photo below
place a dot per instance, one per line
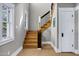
(10, 25)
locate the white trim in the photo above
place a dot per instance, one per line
(17, 51)
(55, 49)
(39, 48)
(76, 8)
(39, 22)
(6, 41)
(76, 52)
(66, 9)
(47, 42)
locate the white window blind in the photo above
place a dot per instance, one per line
(6, 22)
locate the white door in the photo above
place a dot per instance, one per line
(67, 29)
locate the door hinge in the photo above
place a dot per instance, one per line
(72, 30)
(72, 15)
(72, 45)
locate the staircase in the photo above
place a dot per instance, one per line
(31, 40)
(46, 25)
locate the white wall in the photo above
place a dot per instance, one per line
(19, 28)
(20, 22)
(27, 16)
(36, 10)
(54, 29)
(44, 19)
(46, 35)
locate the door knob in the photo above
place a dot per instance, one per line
(72, 30)
(62, 34)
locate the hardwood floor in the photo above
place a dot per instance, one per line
(47, 50)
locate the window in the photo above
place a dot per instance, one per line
(6, 23)
(54, 22)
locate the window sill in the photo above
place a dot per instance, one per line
(5, 41)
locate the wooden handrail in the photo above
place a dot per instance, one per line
(45, 14)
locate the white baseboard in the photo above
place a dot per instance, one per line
(17, 51)
(76, 52)
(55, 49)
(39, 48)
(47, 42)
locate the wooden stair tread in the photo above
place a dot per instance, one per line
(30, 32)
(31, 40)
(33, 45)
(46, 25)
(31, 37)
(29, 46)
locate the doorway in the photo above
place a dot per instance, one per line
(66, 18)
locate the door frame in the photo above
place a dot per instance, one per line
(60, 38)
